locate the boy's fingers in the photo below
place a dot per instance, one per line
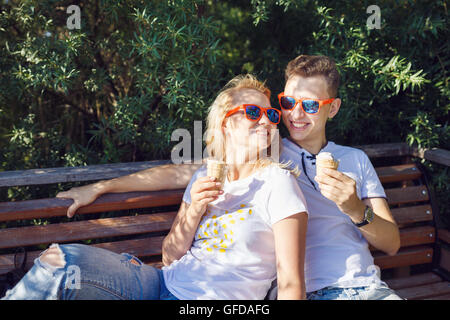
(337, 175)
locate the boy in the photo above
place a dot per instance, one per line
(348, 209)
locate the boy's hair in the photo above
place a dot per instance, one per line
(309, 66)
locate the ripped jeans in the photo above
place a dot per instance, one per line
(91, 273)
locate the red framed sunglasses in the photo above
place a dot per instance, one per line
(310, 106)
(254, 112)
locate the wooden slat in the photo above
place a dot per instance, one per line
(444, 261)
(408, 215)
(443, 297)
(74, 174)
(425, 291)
(405, 257)
(444, 235)
(417, 235)
(437, 155)
(55, 207)
(398, 173)
(83, 230)
(413, 281)
(155, 264)
(406, 195)
(138, 247)
(386, 149)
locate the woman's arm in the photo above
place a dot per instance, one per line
(166, 177)
(290, 239)
(179, 240)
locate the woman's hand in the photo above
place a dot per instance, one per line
(203, 191)
(82, 196)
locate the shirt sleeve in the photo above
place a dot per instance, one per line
(371, 186)
(285, 197)
(201, 172)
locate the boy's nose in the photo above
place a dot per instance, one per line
(297, 111)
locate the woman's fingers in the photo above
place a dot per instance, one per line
(207, 194)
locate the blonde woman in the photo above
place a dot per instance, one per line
(228, 241)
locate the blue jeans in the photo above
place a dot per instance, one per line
(91, 273)
(372, 292)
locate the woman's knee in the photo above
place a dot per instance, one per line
(53, 256)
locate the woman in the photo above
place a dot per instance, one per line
(228, 241)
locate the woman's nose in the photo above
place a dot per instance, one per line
(264, 119)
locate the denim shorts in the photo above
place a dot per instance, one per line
(372, 292)
(91, 273)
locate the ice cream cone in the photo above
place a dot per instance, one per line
(217, 169)
(325, 160)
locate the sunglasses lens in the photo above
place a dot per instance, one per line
(253, 112)
(310, 106)
(287, 102)
(273, 115)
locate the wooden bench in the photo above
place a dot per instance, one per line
(140, 220)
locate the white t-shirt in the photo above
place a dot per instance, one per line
(336, 252)
(233, 252)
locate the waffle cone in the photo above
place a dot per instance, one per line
(216, 169)
(329, 164)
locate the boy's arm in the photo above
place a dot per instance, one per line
(382, 232)
(165, 177)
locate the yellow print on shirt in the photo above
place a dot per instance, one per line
(215, 231)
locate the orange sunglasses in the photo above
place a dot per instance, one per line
(254, 112)
(310, 106)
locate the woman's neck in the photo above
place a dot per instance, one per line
(239, 165)
(239, 171)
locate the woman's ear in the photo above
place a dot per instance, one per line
(335, 105)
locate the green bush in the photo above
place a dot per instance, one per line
(114, 90)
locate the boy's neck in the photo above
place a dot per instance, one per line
(313, 147)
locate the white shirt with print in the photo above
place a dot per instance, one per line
(233, 251)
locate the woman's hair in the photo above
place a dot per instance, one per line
(215, 138)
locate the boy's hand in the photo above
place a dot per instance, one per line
(204, 190)
(341, 189)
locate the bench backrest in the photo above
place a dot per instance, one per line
(141, 233)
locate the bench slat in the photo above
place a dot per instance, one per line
(83, 230)
(407, 195)
(414, 236)
(55, 207)
(444, 235)
(425, 291)
(398, 173)
(413, 281)
(408, 215)
(404, 257)
(417, 235)
(443, 297)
